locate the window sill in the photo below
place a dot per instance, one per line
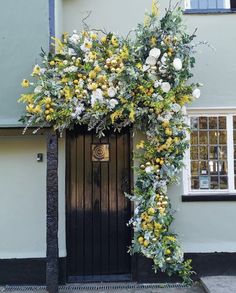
(209, 11)
(208, 197)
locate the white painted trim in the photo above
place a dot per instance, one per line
(211, 111)
(230, 152)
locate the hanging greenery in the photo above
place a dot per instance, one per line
(104, 82)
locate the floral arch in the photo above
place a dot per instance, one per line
(106, 82)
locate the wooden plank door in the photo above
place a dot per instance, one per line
(98, 174)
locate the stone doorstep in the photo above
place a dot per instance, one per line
(219, 284)
(144, 288)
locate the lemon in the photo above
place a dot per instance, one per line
(151, 211)
(167, 252)
(140, 240)
(145, 243)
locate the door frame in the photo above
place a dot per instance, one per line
(133, 258)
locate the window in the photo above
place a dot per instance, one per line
(208, 5)
(212, 154)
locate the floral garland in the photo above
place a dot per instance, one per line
(108, 82)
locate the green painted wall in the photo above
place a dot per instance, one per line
(23, 197)
(24, 29)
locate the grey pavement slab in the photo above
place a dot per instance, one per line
(219, 284)
(197, 288)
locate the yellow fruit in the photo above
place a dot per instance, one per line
(94, 86)
(48, 100)
(151, 211)
(103, 39)
(140, 240)
(47, 112)
(161, 162)
(145, 243)
(157, 226)
(144, 226)
(168, 131)
(97, 69)
(150, 226)
(92, 74)
(167, 252)
(76, 81)
(52, 63)
(48, 106)
(51, 110)
(93, 36)
(48, 117)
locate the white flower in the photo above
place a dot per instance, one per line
(78, 110)
(157, 83)
(74, 38)
(175, 107)
(71, 69)
(164, 58)
(42, 70)
(177, 63)
(38, 89)
(65, 62)
(151, 60)
(96, 97)
(196, 93)
(113, 103)
(85, 47)
(111, 92)
(148, 169)
(71, 52)
(162, 70)
(165, 86)
(155, 52)
(145, 67)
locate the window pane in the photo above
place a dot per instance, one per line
(203, 167)
(213, 122)
(208, 4)
(234, 137)
(212, 4)
(195, 182)
(213, 137)
(203, 152)
(203, 4)
(234, 121)
(203, 137)
(214, 152)
(194, 137)
(222, 137)
(194, 168)
(223, 182)
(222, 122)
(214, 182)
(222, 152)
(223, 167)
(213, 167)
(194, 153)
(203, 122)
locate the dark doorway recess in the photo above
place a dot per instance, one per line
(98, 174)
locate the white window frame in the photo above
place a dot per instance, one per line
(211, 112)
(187, 5)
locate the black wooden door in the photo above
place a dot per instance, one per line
(98, 174)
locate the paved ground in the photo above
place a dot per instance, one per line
(220, 284)
(194, 289)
